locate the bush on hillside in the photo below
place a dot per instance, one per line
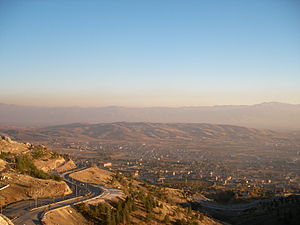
(25, 165)
(4, 155)
(38, 152)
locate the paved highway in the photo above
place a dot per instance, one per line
(90, 193)
(232, 207)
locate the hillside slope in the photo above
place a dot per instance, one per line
(148, 132)
(24, 172)
(157, 131)
(166, 208)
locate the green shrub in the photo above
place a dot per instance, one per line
(38, 152)
(4, 155)
(55, 155)
(25, 165)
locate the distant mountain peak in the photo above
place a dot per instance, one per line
(271, 115)
(273, 103)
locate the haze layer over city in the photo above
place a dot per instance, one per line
(149, 112)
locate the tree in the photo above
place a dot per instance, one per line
(113, 218)
(108, 217)
(167, 219)
(118, 217)
(149, 216)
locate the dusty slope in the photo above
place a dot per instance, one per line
(24, 187)
(93, 175)
(49, 164)
(7, 145)
(65, 216)
(70, 164)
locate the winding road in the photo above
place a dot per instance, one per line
(23, 213)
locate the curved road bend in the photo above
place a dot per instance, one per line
(234, 207)
(27, 217)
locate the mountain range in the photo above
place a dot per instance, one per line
(167, 133)
(271, 115)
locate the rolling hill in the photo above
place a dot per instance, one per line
(200, 133)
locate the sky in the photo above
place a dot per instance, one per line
(149, 52)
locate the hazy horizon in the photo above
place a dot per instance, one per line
(145, 54)
(155, 106)
(265, 115)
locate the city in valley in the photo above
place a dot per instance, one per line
(221, 168)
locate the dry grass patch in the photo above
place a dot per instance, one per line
(67, 215)
(93, 175)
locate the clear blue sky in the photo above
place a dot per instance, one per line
(148, 52)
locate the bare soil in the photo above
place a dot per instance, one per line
(66, 166)
(67, 215)
(93, 175)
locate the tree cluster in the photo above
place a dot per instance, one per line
(25, 165)
(105, 214)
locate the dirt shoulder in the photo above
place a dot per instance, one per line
(4, 220)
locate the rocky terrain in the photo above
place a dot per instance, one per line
(7, 145)
(24, 172)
